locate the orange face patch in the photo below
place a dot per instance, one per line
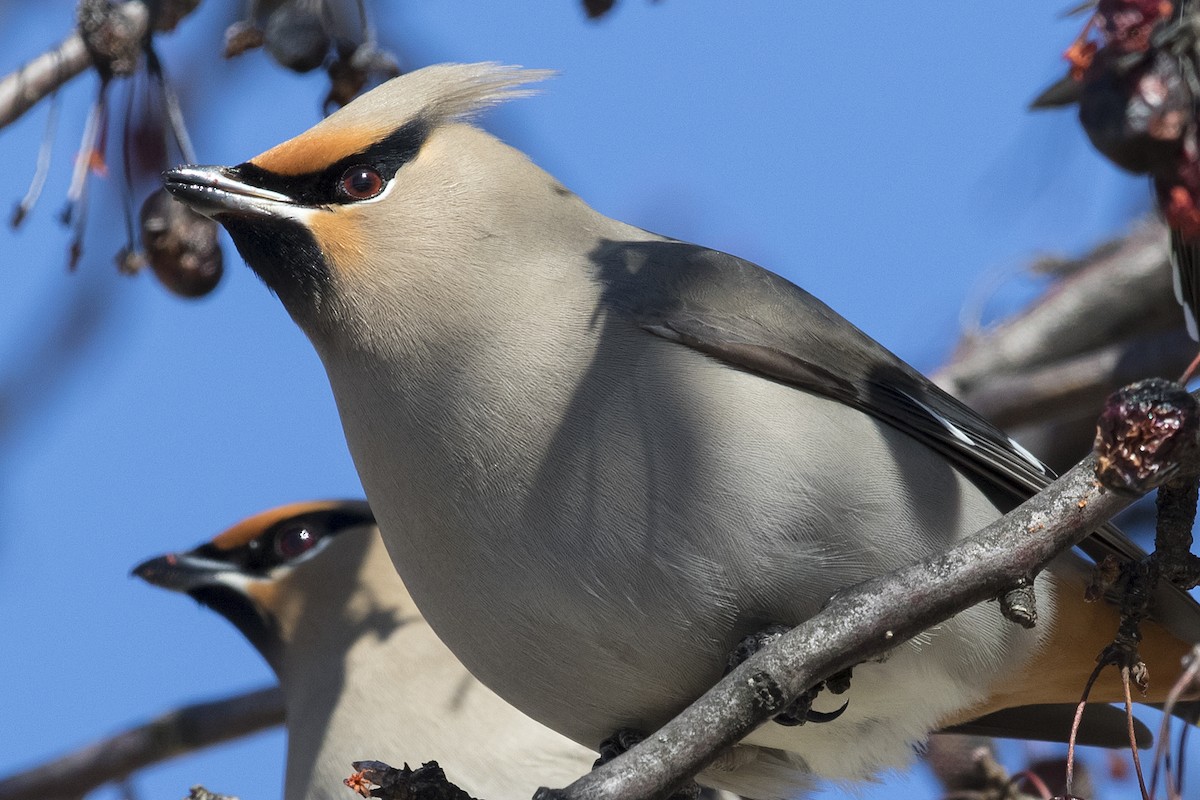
(251, 528)
(267, 595)
(339, 236)
(317, 149)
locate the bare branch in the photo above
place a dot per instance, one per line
(42, 76)
(1120, 290)
(966, 767)
(177, 732)
(1038, 394)
(1109, 320)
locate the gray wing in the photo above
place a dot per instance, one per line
(1102, 725)
(1185, 270)
(752, 319)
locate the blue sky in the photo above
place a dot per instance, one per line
(879, 154)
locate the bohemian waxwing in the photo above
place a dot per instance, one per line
(600, 457)
(312, 588)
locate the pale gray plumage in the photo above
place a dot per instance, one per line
(363, 675)
(600, 457)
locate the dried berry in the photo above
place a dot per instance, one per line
(350, 71)
(427, 782)
(1136, 116)
(1142, 432)
(168, 13)
(598, 8)
(241, 36)
(110, 38)
(296, 37)
(180, 245)
(1128, 24)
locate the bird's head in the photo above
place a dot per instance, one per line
(278, 572)
(394, 197)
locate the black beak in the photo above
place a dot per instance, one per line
(181, 572)
(200, 578)
(219, 191)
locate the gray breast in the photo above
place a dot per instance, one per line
(595, 563)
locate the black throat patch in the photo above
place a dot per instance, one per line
(286, 256)
(284, 252)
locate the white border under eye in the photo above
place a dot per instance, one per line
(321, 544)
(303, 214)
(387, 189)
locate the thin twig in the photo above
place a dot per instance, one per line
(40, 77)
(42, 168)
(1162, 744)
(180, 731)
(1120, 289)
(1036, 781)
(1079, 709)
(1133, 748)
(23, 89)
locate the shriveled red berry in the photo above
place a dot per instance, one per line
(180, 245)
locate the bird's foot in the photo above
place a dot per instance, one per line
(625, 739)
(801, 710)
(620, 742)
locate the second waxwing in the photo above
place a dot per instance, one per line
(601, 458)
(363, 676)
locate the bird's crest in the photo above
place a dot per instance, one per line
(427, 98)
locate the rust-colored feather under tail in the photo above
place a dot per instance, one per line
(1080, 632)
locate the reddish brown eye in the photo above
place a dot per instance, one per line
(361, 183)
(294, 541)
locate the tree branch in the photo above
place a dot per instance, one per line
(1109, 320)
(42, 76)
(180, 731)
(1042, 393)
(1120, 289)
(857, 625)
(39, 78)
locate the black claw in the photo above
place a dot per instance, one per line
(839, 682)
(800, 711)
(789, 720)
(826, 716)
(618, 743)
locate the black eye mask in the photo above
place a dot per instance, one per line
(287, 541)
(321, 187)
